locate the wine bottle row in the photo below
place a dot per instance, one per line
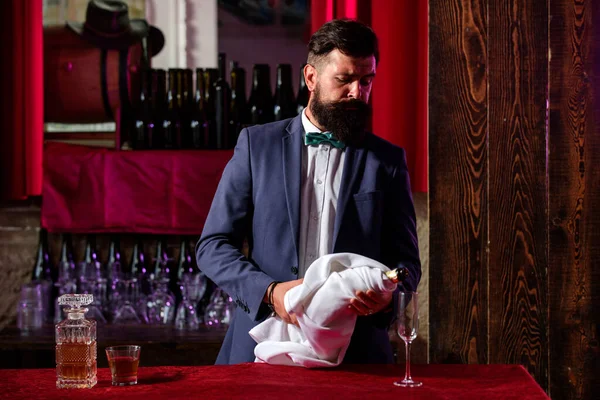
(174, 114)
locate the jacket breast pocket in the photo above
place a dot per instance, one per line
(369, 212)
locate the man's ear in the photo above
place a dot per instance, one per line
(310, 76)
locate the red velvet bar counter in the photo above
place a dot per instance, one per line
(97, 190)
(261, 381)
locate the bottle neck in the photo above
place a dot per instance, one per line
(199, 85)
(222, 66)
(65, 253)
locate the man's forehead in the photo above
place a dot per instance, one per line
(352, 66)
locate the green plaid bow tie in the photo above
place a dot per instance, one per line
(316, 138)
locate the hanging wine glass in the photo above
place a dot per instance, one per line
(127, 289)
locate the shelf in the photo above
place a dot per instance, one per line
(98, 190)
(160, 345)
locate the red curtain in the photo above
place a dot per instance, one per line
(21, 88)
(399, 95)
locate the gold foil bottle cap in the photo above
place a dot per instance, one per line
(397, 274)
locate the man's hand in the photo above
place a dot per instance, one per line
(278, 295)
(370, 302)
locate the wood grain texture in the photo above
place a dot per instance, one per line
(458, 181)
(19, 233)
(538, 184)
(518, 84)
(574, 183)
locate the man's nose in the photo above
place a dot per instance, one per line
(355, 90)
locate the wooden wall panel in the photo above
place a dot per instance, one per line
(518, 92)
(458, 181)
(574, 209)
(515, 188)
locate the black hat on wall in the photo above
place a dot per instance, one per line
(107, 25)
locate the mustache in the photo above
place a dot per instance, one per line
(351, 104)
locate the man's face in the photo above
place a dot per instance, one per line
(341, 77)
(341, 87)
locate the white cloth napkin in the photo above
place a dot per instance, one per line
(321, 307)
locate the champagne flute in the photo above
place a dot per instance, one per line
(407, 325)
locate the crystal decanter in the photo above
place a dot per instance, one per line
(76, 344)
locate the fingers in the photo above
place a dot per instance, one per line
(293, 319)
(369, 303)
(359, 308)
(278, 300)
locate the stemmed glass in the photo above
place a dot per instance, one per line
(219, 312)
(186, 317)
(407, 324)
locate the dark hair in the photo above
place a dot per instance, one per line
(350, 37)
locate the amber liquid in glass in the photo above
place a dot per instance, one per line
(76, 361)
(124, 368)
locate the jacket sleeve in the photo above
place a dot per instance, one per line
(218, 252)
(399, 236)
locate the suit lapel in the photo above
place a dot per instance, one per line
(292, 170)
(353, 169)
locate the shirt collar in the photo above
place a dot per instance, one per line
(307, 125)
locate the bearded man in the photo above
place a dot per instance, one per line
(309, 186)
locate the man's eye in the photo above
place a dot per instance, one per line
(343, 80)
(366, 82)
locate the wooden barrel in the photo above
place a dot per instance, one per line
(84, 84)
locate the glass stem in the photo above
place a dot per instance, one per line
(407, 377)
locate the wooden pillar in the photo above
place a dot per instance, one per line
(514, 148)
(458, 181)
(574, 207)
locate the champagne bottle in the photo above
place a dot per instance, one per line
(92, 280)
(198, 122)
(155, 129)
(137, 266)
(66, 281)
(397, 275)
(90, 268)
(160, 260)
(43, 274)
(186, 107)
(139, 269)
(172, 122)
(113, 265)
(222, 104)
(302, 99)
(285, 102)
(139, 139)
(261, 97)
(42, 269)
(185, 265)
(239, 107)
(210, 77)
(66, 265)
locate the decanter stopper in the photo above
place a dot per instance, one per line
(75, 300)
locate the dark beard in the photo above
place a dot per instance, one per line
(345, 119)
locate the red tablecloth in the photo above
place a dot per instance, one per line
(261, 381)
(97, 190)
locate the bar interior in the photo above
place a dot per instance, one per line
(143, 203)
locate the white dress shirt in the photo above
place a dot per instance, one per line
(322, 168)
